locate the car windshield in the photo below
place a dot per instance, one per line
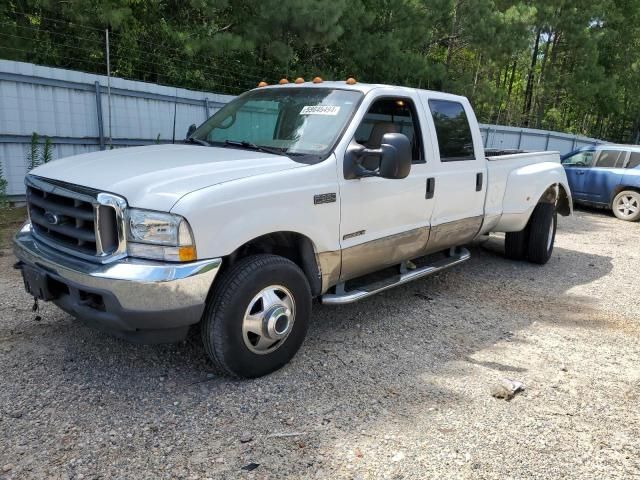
(303, 123)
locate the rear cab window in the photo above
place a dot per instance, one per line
(452, 130)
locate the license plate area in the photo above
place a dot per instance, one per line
(36, 283)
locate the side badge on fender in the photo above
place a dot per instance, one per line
(324, 198)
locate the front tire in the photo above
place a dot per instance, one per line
(542, 233)
(257, 316)
(626, 205)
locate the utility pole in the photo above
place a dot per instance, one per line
(109, 87)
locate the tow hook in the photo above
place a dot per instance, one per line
(18, 265)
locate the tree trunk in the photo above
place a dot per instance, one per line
(511, 79)
(452, 38)
(541, 98)
(528, 94)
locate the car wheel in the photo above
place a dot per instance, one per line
(542, 233)
(257, 316)
(626, 205)
(515, 244)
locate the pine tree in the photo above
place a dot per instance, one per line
(33, 157)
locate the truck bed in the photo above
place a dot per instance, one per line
(503, 172)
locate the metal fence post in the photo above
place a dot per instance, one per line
(573, 145)
(486, 139)
(520, 139)
(99, 113)
(206, 108)
(546, 146)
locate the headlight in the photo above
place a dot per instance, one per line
(159, 236)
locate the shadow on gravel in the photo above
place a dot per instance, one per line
(362, 367)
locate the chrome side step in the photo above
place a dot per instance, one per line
(341, 296)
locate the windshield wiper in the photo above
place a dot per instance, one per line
(204, 143)
(253, 146)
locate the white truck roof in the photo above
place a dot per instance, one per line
(365, 88)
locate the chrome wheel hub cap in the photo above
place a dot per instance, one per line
(268, 320)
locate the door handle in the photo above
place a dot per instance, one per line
(580, 172)
(479, 182)
(431, 187)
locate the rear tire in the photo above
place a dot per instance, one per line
(626, 205)
(516, 244)
(257, 316)
(542, 233)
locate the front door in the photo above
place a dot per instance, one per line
(460, 175)
(576, 166)
(384, 221)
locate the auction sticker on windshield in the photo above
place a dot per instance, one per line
(320, 110)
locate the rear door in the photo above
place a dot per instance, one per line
(459, 172)
(606, 174)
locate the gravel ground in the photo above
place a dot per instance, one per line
(397, 386)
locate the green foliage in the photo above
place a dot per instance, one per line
(583, 77)
(33, 156)
(47, 151)
(38, 153)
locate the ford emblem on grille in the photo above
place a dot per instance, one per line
(52, 218)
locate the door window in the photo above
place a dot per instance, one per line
(390, 115)
(634, 160)
(610, 159)
(582, 159)
(453, 131)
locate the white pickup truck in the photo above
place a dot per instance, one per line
(332, 190)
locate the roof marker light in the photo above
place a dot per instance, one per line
(283, 81)
(262, 84)
(299, 80)
(351, 81)
(317, 80)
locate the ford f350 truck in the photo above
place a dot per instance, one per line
(328, 190)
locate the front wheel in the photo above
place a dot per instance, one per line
(626, 205)
(257, 316)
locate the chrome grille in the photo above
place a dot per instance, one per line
(76, 220)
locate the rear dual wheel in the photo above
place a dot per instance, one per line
(535, 242)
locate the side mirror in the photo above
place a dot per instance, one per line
(192, 128)
(396, 158)
(394, 154)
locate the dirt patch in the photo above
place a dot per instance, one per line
(398, 386)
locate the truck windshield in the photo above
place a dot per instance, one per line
(303, 123)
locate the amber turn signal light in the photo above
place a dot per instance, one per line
(187, 254)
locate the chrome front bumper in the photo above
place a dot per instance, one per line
(137, 297)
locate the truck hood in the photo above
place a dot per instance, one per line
(156, 177)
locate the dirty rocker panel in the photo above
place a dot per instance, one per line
(452, 234)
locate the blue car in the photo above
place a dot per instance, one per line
(606, 176)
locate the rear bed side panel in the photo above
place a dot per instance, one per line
(525, 187)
